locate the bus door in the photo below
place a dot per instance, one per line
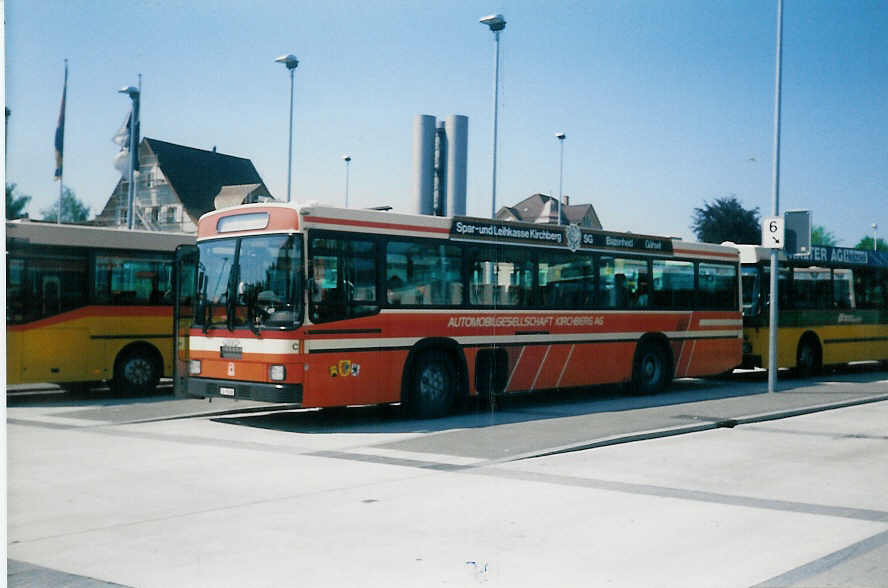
(183, 313)
(348, 366)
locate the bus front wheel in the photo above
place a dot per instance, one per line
(432, 385)
(650, 369)
(135, 373)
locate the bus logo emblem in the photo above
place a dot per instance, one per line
(230, 368)
(573, 237)
(344, 367)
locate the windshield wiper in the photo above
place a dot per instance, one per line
(208, 316)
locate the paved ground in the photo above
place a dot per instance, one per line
(702, 486)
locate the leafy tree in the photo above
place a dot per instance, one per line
(867, 243)
(726, 220)
(820, 235)
(73, 210)
(15, 203)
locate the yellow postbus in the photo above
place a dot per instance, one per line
(832, 307)
(87, 304)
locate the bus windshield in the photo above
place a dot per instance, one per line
(250, 282)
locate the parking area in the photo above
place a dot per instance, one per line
(714, 483)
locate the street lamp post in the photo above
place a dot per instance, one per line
(497, 23)
(875, 241)
(292, 63)
(133, 93)
(561, 137)
(347, 159)
(775, 207)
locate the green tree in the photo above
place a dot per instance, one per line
(820, 235)
(867, 243)
(73, 210)
(15, 203)
(726, 220)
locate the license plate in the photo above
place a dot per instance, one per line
(226, 391)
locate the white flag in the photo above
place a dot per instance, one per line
(122, 136)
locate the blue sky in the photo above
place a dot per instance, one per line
(666, 104)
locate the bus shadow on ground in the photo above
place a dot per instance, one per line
(52, 395)
(542, 405)
(477, 414)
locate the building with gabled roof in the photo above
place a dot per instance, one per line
(541, 208)
(176, 184)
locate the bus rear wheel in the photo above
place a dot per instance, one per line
(650, 369)
(135, 373)
(432, 385)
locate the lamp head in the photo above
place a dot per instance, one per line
(131, 90)
(560, 136)
(496, 22)
(346, 158)
(289, 60)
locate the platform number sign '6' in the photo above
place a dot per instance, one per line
(773, 232)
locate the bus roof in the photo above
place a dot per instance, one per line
(46, 233)
(294, 216)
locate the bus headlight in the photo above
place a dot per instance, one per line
(277, 372)
(194, 367)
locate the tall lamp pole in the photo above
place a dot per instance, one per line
(133, 93)
(775, 208)
(292, 63)
(497, 23)
(561, 137)
(875, 241)
(347, 159)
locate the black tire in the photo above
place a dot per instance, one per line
(135, 373)
(809, 361)
(650, 369)
(432, 385)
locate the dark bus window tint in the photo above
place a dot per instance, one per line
(566, 281)
(52, 286)
(843, 288)
(501, 277)
(673, 284)
(132, 280)
(15, 290)
(751, 290)
(623, 283)
(423, 273)
(812, 287)
(786, 300)
(870, 287)
(343, 281)
(718, 286)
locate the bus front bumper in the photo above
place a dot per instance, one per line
(208, 388)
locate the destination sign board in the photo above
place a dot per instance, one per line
(843, 256)
(571, 237)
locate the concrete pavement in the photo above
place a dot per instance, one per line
(353, 497)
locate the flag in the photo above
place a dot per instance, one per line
(60, 129)
(122, 138)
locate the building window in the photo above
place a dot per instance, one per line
(121, 216)
(154, 213)
(171, 214)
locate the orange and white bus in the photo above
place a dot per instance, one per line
(324, 306)
(87, 304)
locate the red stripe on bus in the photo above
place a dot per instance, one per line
(394, 226)
(698, 253)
